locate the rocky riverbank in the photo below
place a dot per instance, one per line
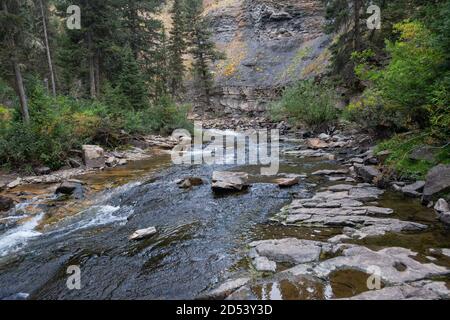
(350, 203)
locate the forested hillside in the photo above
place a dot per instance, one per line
(121, 72)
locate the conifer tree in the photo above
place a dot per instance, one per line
(177, 48)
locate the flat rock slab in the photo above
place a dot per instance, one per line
(229, 181)
(290, 250)
(395, 265)
(419, 290)
(225, 289)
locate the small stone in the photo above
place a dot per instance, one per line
(441, 206)
(143, 233)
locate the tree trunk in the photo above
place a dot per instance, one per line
(47, 48)
(21, 90)
(92, 86)
(19, 79)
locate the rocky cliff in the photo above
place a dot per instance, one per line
(268, 44)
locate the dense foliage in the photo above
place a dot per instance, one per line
(118, 75)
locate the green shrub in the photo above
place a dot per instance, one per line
(307, 103)
(402, 145)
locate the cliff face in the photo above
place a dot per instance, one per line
(268, 44)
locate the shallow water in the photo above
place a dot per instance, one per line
(201, 241)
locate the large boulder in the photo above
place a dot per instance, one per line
(6, 203)
(93, 156)
(367, 173)
(437, 182)
(229, 181)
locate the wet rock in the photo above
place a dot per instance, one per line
(414, 190)
(6, 203)
(229, 181)
(190, 182)
(287, 182)
(367, 173)
(420, 290)
(93, 156)
(437, 181)
(17, 296)
(289, 250)
(71, 187)
(40, 171)
(17, 182)
(225, 289)
(143, 233)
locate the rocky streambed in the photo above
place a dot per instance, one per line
(314, 231)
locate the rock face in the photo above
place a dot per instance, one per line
(437, 181)
(143, 233)
(93, 156)
(268, 44)
(6, 203)
(229, 181)
(443, 210)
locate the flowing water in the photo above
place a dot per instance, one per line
(201, 241)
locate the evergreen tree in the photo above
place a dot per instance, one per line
(14, 40)
(204, 53)
(177, 48)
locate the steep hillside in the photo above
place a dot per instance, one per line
(268, 44)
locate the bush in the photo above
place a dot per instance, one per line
(369, 112)
(59, 124)
(408, 92)
(307, 103)
(402, 145)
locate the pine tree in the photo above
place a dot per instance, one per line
(177, 48)
(14, 22)
(204, 53)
